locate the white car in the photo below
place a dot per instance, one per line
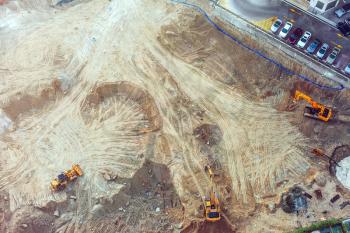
(276, 25)
(322, 51)
(347, 69)
(304, 39)
(285, 30)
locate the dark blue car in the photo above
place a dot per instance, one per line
(313, 46)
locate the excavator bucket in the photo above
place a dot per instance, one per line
(77, 169)
(64, 178)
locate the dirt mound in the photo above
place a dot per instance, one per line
(208, 134)
(126, 91)
(294, 200)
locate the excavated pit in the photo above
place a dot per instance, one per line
(154, 93)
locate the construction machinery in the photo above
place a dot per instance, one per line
(62, 179)
(316, 110)
(211, 202)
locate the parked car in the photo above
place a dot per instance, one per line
(313, 46)
(304, 39)
(276, 25)
(342, 11)
(285, 30)
(347, 69)
(295, 36)
(344, 28)
(322, 51)
(333, 55)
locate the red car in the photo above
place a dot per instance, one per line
(296, 34)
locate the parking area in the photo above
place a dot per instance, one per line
(321, 36)
(319, 30)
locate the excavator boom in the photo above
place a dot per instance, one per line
(211, 202)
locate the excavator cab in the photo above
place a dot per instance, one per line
(60, 183)
(211, 202)
(212, 208)
(315, 110)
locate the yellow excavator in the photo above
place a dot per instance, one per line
(62, 179)
(211, 202)
(315, 110)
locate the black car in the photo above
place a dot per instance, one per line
(344, 28)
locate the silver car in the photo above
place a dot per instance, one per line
(304, 39)
(333, 55)
(322, 51)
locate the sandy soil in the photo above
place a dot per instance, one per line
(142, 95)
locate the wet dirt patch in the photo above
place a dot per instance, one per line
(28, 104)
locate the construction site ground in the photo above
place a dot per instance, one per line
(142, 95)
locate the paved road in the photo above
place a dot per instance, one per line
(254, 10)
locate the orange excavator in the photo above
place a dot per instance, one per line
(62, 179)
(211, 202)
(316, 110)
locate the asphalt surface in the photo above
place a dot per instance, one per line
(255, 11)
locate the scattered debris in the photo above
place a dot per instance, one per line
(109, 176)
(208, 134)
(56, 213)
(335, 198)
(344, 204)
(294, 200)
(318, 193)
(321, 180)
(307, 195)
(179, 226)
